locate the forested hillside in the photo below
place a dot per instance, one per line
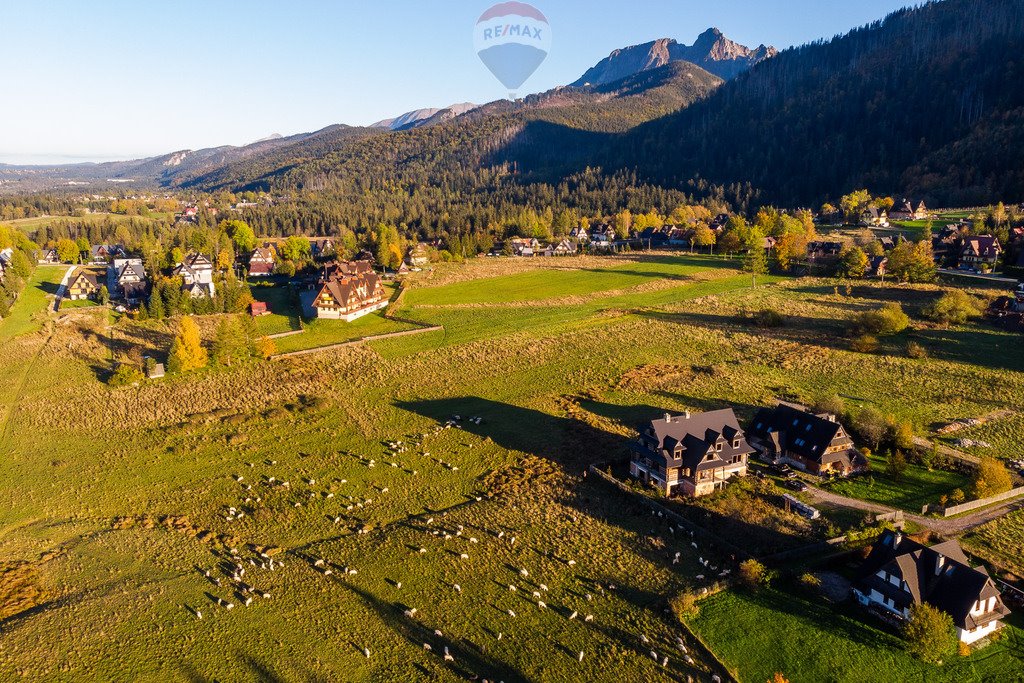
(927, 102)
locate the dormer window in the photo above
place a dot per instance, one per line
(736, 443)
(718, 446)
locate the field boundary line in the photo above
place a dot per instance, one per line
(354, 342)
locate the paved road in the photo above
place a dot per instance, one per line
(990, 277)
(953, 526)
(61, 289)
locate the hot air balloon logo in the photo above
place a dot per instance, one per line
(512, 39)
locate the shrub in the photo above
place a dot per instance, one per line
(902, 436)
(991, 478)
(753, 574)
(929, 634)
(916, 351)
(956, 496)
(832, 405)
(963, 649)
(125, 375)
(865, 343)
(768, 318)
(888, 320)
(810, 581)
(871, 426)
(953, 308)
(684, 605)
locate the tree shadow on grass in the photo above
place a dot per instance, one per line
(573, 446)
(800, 329)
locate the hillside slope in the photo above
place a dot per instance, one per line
(927, 102)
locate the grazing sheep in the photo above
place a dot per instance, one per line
(447, 656)
(366, 651)
(644, 639)
(523, 573)
(543, 587)
(458, 588)
(199, 615)
(589, 618)
(573, 615)
(511, 588)
(411, 612)
(581, 656)
(664, 661)
(654, 655)
(463, 556)
(572, 563)
(541, 604)
(473, 540)
(512, 614)
(536, 594)
(426, 646)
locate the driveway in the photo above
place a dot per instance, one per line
(952, 526)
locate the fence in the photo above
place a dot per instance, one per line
(354, 342)
(975, 504)
(696, 529)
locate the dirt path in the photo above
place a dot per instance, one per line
(62, 288)
(947, 451)
(954, 526)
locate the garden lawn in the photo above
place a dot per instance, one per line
(1000, 541)
(30, 307)
(918, 486)
(283, 317)
(813, 641)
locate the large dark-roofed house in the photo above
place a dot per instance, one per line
(900, 572)
(794, 435)
(692, 455)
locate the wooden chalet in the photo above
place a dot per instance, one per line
(815, 443)
(349, 290)
(82, 285)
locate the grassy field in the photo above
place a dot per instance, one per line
(1001, 540)
(811, 640)
(917, 487)
(114, 512)
(26, 313)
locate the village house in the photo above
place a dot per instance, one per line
(900, 573)
(82, 285)
(794, 435)
(126, 279)
(580, 235)
(653, 238)
(418, 256)
(690, 454)
(524, 246)
(564, 248)
(348, 291)
(877, 266)
(196, 273)
(874, 217)
(47, 257)
(102, 254)
(980, 253)
(261, 262)
(905, 211)
(322, 249)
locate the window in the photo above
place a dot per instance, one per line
(736, 443)
(796, 422)
(808, 428)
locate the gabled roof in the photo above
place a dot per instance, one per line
(800, 431)
(690, 441)
(984, 246)
(940, 575)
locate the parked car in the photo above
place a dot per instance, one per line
(797, 485)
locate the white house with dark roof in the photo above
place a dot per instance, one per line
(900, 573)
(690, 454)
(196, 273)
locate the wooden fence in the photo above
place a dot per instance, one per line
(984, 502)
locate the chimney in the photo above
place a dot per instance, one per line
(668, 417)
(686, 415)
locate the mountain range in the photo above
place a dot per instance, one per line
(925, 102)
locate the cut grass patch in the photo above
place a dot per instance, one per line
(918, 486)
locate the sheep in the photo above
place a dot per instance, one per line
(523, 573)
(644, 639)
(573, 615)
(581, 656)
(541, 604)
(473, 540)
(572, 563)
(366, 651)
(426, 646)
(447, 656)
(512, 614)
(589, 618)
(398, 584)
(654, 655)
(664, 661)
(437, 632)
(458, 588)
(543, 587)
(199, 615)
(411, 612)
(536, 594)
(463, 556)
(511, 588)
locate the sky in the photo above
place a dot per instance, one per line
(112, 79)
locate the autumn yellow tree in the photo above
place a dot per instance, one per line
(187, 352)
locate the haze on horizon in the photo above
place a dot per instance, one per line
(118, 79)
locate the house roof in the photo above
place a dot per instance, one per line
(939, 575)
(690, 440)
(796, 429)
(984, 246)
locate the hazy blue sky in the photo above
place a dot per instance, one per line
(107, 78)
